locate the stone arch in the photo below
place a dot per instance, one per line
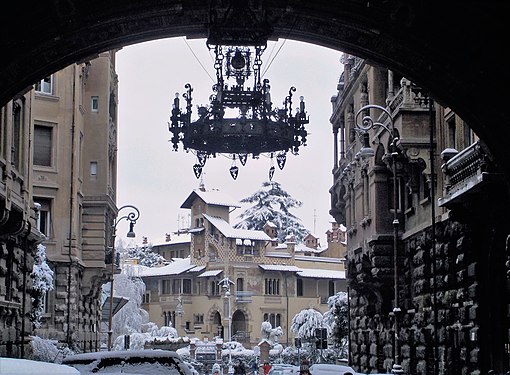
(396, 34)
(240, 321)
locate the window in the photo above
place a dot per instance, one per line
(452, 133)
(215, 288)
(240, 284)
(186, 286)
(93, 170)
(176, 286)
(299, 287)
(44, 219)
(198, 318)
(43, 145)
(272, 286)
(17, 129)
(45, 302)
(146, 297)
(45, 85)
(274, 319)
(165, 286)
(94, 105)
(331, 287)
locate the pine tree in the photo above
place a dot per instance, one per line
(272, 203)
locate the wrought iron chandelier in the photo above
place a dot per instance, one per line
(240, 119)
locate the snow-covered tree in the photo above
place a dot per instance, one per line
(337, 319)
(269, 333)
(42, 277)
(131, 317)
(145, 255)
(305, 322)
(272, 203)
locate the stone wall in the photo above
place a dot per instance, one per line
(464, 305)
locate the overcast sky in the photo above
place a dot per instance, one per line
(157, 180)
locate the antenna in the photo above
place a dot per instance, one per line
(314, 220)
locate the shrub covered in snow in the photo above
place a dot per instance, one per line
(42, 281)
(46, 350)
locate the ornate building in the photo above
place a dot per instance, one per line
(59, 190)
(268, 281)
(426, 247)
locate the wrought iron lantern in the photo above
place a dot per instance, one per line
(240, 119)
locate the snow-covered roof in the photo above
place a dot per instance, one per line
(197, 269)
(271, 224)
(210, 273)
(302, 248)
(210, 197)
(178, 266)
(229, 232)
(321, 273)
(279, 267)
(196, 230)
(174, 240)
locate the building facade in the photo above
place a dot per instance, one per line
(61, 193)
(242, 274)
(426, 248)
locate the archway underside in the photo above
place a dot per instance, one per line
(452, 49)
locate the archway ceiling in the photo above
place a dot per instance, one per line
(452, 48)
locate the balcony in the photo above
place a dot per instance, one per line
(466, 173)
(241, 336)
(243, 296)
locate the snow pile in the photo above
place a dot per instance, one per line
(13, 366)
(46, 350)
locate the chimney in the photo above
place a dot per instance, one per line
(144, 240)
(167, 237)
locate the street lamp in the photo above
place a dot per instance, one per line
(365, 152)
(225, 284)
(132, 217)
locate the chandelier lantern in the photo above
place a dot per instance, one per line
(240, 119)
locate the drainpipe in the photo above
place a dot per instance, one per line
(433, 229)
(71, 212)
(29, 229)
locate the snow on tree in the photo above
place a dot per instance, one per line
(46, 350)
(336, 318)
(131, 317)
(151, 334)
(144, 254)
(272, 203)
(42, 280)
(269, 333)
(305, 322)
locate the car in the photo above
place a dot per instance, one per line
(283, 369)
(330, 369)
(151, 361)
(15, 366)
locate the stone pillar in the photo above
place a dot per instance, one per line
(264, 354)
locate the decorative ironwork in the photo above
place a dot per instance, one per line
(238, 40)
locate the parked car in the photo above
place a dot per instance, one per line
(15, 366)
(283, 369)
(329, 369)
(152, 361)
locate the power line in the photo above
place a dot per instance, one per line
(198, 60)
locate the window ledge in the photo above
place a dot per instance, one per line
(45, 96)
(425, 201)
(410, 211)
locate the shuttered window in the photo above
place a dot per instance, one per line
(43, 145)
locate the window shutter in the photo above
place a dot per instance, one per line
(42, 145)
